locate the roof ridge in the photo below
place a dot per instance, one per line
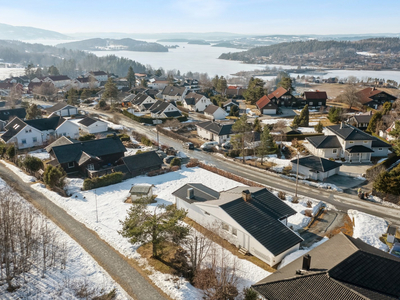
(347, 287)
(190, 184)
(295, 278)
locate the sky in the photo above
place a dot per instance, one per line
(244, 17)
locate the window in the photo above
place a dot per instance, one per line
(365, 142)
(334, 151)
(311, 104)
(234, 231)
(380, 149)
(225, 226)
(351, 142)
(71, 164)
(23, 141)
(90, 167)
(34, 139)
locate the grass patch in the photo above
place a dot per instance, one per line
(228, 246)
(347, 227)
(383, 239)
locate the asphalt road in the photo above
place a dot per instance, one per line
(112, 262)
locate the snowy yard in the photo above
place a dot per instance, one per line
(273, 121)
(21, 174)
(57, 283)
(111, 209)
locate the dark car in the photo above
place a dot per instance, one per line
(188, 145)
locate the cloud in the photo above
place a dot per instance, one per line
(201, 8)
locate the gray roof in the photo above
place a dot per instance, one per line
(217, 128)
(201, 193)
(142, 161)
(341, 268)
(13, 128)
(317, 163)
(142, 189)
(87, 121)
(362, 118)
(172, 114)
(359, 149)
(211, 109)
(96, 148)
(138, 100)
(324, 141)
(159, 106)
(46, 123)
(379, 143)
(192, 98)
(59, 142)
(348, 132)
(5, 114)
(173, 91)
(57, 107)
(392, 230)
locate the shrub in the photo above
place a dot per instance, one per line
(309, 203)
(145, 141)
(87, 137)
(250, 294)
(295, 200)
(308, 213)
(175, 168)
(54, 176)
(32, 164)
(3, 148)
(175, 162)
(282, 195)
(96, 182)
(10, 152)
(286, 170)
(193, 162)
(124, 137)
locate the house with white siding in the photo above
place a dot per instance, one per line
(347, 142)
(91, 125)
(162, 109)
(196, 102)
(100, 76)
(173, 93)
(251, 218)
(214, 131)
(214, 112)
(142, 102)
(315, 168)
(61, 109)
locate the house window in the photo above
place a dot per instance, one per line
(23, 141)
(311, 103)
(351, 142)
(71, 164)
(234, 231)
(380, 149)
(34, 139)
(365, 142)
(320, 103)
(225, 226)
(90, 167)
(334, 151)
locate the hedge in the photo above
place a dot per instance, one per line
(176, 136)
(149, 120)
(96, 182)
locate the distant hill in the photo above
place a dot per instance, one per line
(98, 44)
(8, 32)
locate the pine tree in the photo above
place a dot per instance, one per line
(296, 121)
(131, 77)
(318, 128)
(304, 118)
(72, 97)
(267, 144)
(85, 94)
(53, 71)
(143, 83)
(334, 114)
(110, 90)
(373, 122)
(162, 224)
(256, 125)
(33, 112)
(242, 128)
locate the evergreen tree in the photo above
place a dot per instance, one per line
(85, 94)
(32, 164)
(33, 112)
(54, 176)
(267, 144)
(215, 81)
(304, 117)
(72, 96)
(387, 106)
(373, 122)
(286, 83)
(242, 128)
(234, 112)
(131, 78)
(296, 121)
(143, 83)
(256, 125)
(53, 71)
(222, 85)
(110, 90)
(318, 128)
(334, 114)
(162, 224)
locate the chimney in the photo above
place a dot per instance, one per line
(246, 195)
(341, 125)
(190, 193)
(306, 262)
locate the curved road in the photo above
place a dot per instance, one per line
(107, 257)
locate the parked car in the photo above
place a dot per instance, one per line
(188, 145)
(169, 158)
(227, 145)
(208, 145)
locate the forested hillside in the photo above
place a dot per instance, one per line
(68, 62)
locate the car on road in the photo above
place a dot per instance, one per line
(188, 145)
(208, 145)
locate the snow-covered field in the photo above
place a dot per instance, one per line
(6, 72)
(41, 154)
(80, 266)
(368, 228)
(111, 208)
(273, 121)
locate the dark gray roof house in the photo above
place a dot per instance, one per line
(317, 164)
(348, 132)
(216, 127)
(343, 268)
(324, 141)
(141, 163)
(6, 114)
(46, 123)
(253, 215)
(173, 91)
(12, 129)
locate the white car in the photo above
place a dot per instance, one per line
(208, 145)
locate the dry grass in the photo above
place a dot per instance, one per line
(228, 246)
(383, 239)
(347, 227)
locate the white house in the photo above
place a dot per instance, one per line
(316, 168)
(31, 133)
(91, 125)
(59, 81)
(158, 84)
(196, 102)
(161, 109)
(386, 133)
(251, 218)
(99, 75)
(214, 131)
(62, 109)
(142, 102)
(215, 112)
(173, 93)
(348, 142)
(85, 83)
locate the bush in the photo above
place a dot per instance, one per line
(3, 148)
(175, 162)
(54, 176)
(250, 294)
(295, 200)
(87, 137)
(175, 168)
(148, 120)
(32, 164)
(282, 195)
(308, 213)
(309, 203)
(10, 152)
(193, 162)
(123, 137)
(286, 170)
(96, 182)
(145, 141)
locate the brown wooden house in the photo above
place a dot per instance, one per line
(282, 97)
(374, 98)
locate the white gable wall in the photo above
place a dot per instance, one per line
(27, 137)
(203, 103)
(68, 129)
(66, 112)
(96, 127)
(219, 114)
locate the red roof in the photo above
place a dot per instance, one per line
(315, 95)
(279, 92)
(264, 100)
(366, 94)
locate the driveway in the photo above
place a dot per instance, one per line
(345, 182)
(107, 257)
(354, 169)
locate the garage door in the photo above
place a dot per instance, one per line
(269, 111)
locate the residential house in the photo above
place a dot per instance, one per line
(227, 105)
(342, 268)
(61, 109)
(360, 121)
(191, 85)
(196, 102)
(37, 132)
(215, 112)
(140, 191)
(24, 80)
(85, 83)
(59, 81)
(251, 218)
(142, 102)
(173, 93)
(235, 92)
(142, 163)
(386, 133)
(315, 168)
(7, 115)
(347, 142)
(100, 76)
(161, 109)
(214, 131)
(266, 106)
(91, 125)
(88, 156)
(282, 97)
(316, 98)
(374, 98)
(158, 84)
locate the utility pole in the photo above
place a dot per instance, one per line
(297, 175)
(97, 215)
